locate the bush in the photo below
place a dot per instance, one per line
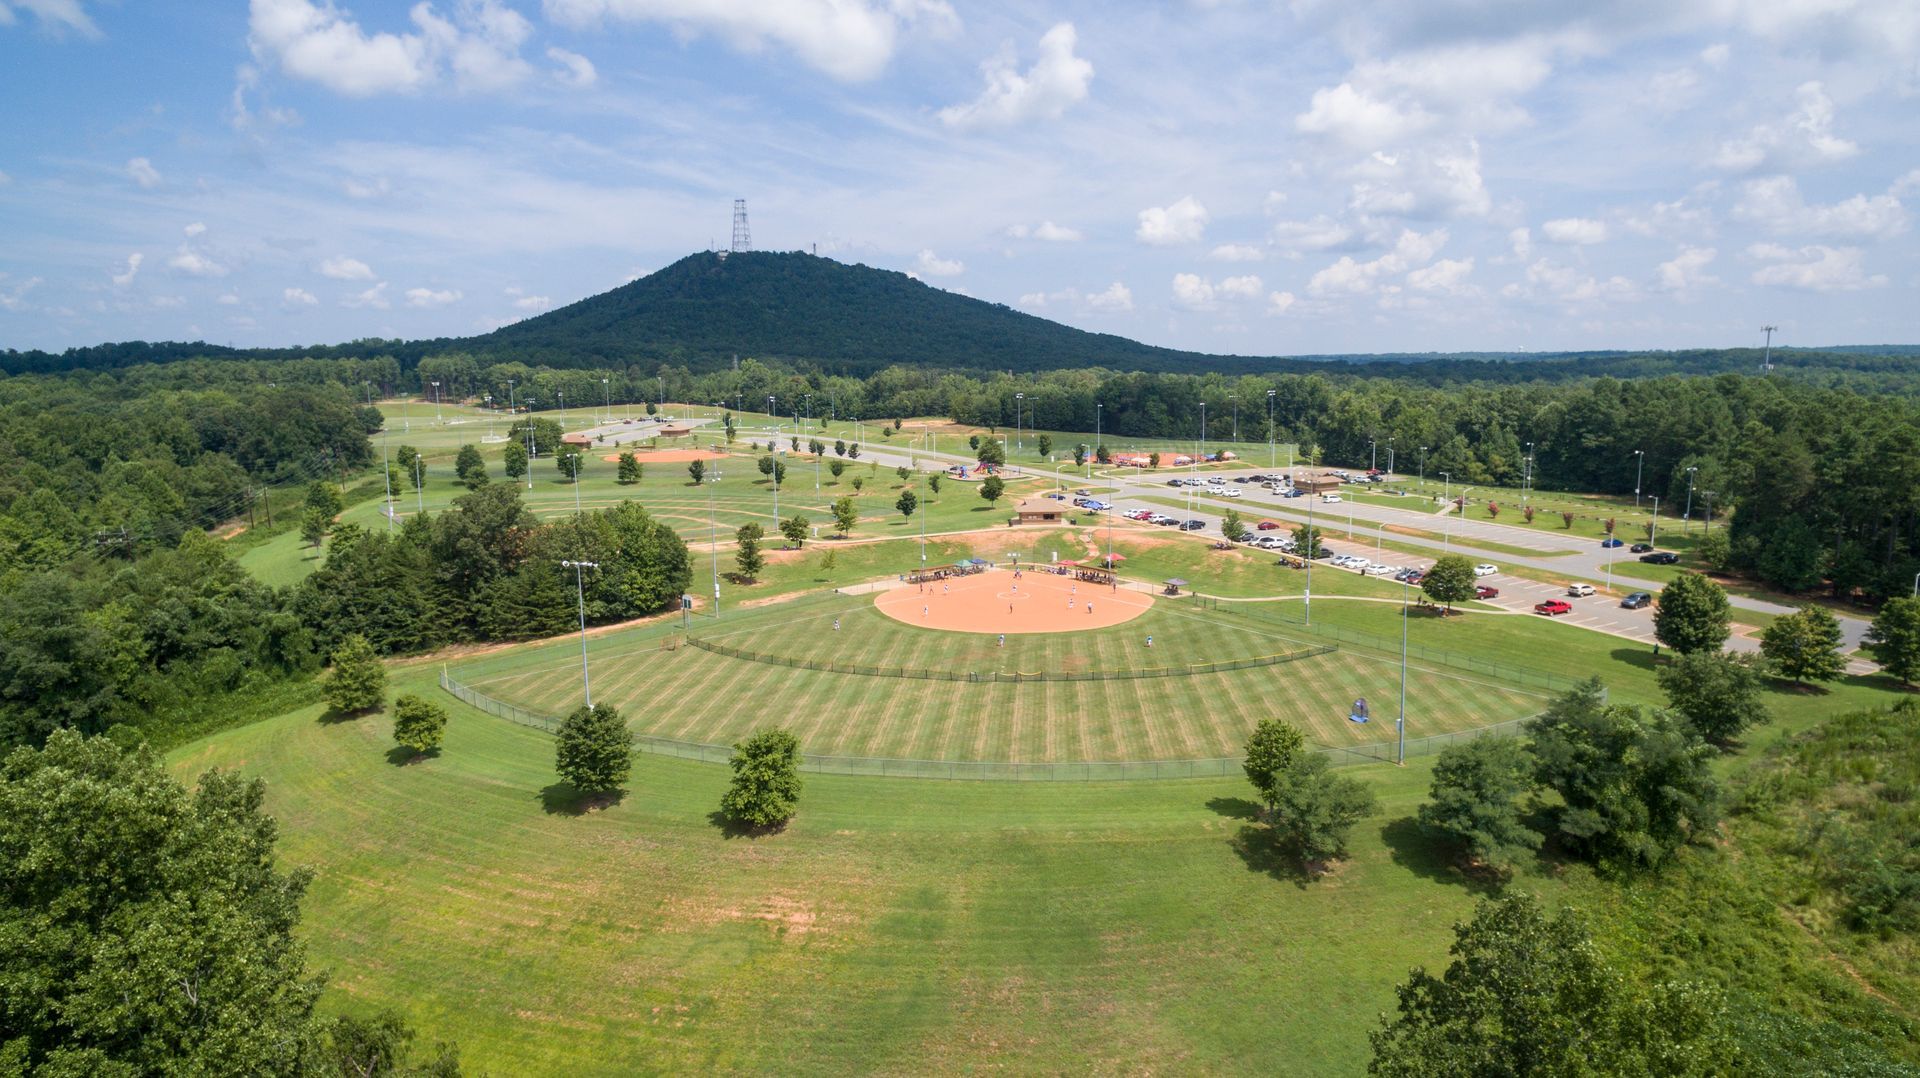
(594, 750)
(418, 724)
(766, 780)
(358, 682)
(1474, 806)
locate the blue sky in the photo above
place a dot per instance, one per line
(1254, 177)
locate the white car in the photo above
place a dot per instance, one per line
(1329, 499)
(1229, 492)
(1377, 569)
(1485, 569)
(1579, 591)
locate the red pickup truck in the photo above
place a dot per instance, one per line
(1552, 607)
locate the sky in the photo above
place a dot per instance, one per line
(1255, 177)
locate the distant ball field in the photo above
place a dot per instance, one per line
(946, 694)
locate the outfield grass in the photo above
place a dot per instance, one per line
(693, 695)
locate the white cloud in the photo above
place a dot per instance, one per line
(1687, 271)
(297, 297)
(1350, 277)
(1715, 56)
(1192, 291)
(428, 297)
(1318, 234)
(1237, 252)
(1775, 204)
(1575, 230)
(575, 70)
(1057, 80)
(1804, 137)
(375, 188)
(932, 265)
(479, 45)
(1115, 297)
(194, 229)
(194, 264)
(125, 277)
(1813, 269)
(15, 299)
(1183, 222)
(143, 172)
(851, 40)
(1357, 120)
(1046, 231)
(346, 269)
(1571, 286)
(1279, 302)
(1520, 241)
(228, 300)
(532, 303)
(1445, 277)
(1424, 184)
(1248, 287)
(375, 297)
(55, 16)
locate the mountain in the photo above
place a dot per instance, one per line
(711, 306)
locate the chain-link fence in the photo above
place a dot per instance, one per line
(997, 771)
(1008, 677)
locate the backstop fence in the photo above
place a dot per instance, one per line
(1004, 677)
(988, 770)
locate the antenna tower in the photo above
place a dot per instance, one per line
(1766, 362)
(742, 241)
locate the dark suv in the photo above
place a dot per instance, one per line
(1660, 557)
(1637, 600)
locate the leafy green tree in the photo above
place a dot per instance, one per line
(853, 451)
(1045, 444)
(765, 789)
(1231, 526)
(405, 457)
(1894, 638)
(1306, 541)
(469, 467)
(629, 470)
(1692, 614)
(418, 724)
(1315, 808)
(322, 497)
(1153, 460)
(765, 464)
(1794, 555)
(859, 482)
(1451, 580)
(907, 504)
(1720, 695)
(1474, 802)
(1527, 994)
(1079, 454)
(1634, 788)
(991, 452)
(652, 408)
(795, 528)
(793, 443)
(727, 423)
(933, 482)
(839, 448)
(358, 680)
(903, 472)
(569, 461)
(748, 556)
(314, 525)
(697, 469)
(1272, 748)
(1805, 645)
(149, 929)
(516, 460)
(836, 467)
(1102, 455)
(381, 1045)
(845, 515)
(593, 750)
(991, 488)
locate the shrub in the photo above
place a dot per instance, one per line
(418, 724)
(593, 750)
(766, 780)
(358, 681)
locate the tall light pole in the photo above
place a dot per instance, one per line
(562, 394)
(511, 407)
(1423, 467)
(1401, 722)
(1373, 455)
(1766, 361)
(1099, 439)
(1640, 462)
(1526, 481)
(1234, 399)
(774, 476)
(1389, 456)
(713, 544)
(385, 468)
(532, 446)
(575, 457)
(419, 484)
(607, 387)
(1708, 495)
(1686, 517)
(1312, 547)
(1653, 526)
(1273, 454)
(437, 418)
(1019, 403)
(580, 591)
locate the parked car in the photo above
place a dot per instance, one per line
(1416, 577)
(1228, 492)
(1267, 525)
(1637, 600)
(1193, 525)
(1579, 591)
(1056, 496)
(1553, 607)
(1329, 499)
(1485, 569)
(1176, 482)
(1377, 569)
(1485, 592)
(1610, 542)
(1639, 548)
(1098, 506)
(1165, 521)
(1660, 557)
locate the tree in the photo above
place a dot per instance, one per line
(853, 451)
(748, 557)
(836, 467)
(1306, 541)
(1717, 693)
(1633, 787)
(654, 409)
(1079, 454)
(907, 504)
(516, 461)
(1473, 804)
(697, 469)
(1805, 645)
(321, 497)
(1566, 519)
(1315, 808)
(1102, 455)
(418, 724)
(1271, 749)
(839, 448)
(593, 750)
(1493, 510)
(404, 457)
(469, 468)
(629, 470)
(1894, 638)
(1526, 513)
(1527, 994)
(568, 460)
(381, 1045)
(992, 488)
(859, 481)
(1692, 614)
(314, 525)
(1451, 580)
(765, 789)
(845, 515)
(358, 681)
(793, 443)
(1232, 526)
(903, 472)
(1608, 525)
(795, 528)
(933, 482)
(1153, 460)
(149, 928)
(765, 464)
(1045, 444)
(991, 453)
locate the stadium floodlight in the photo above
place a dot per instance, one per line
(1640, 462)
(1401, 722)
(580, 593)
(1273, 453)
(438, 419)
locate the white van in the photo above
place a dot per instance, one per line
(1329, 499)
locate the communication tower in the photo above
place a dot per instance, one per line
(742, 240)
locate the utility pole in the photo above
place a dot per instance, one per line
(1273, 454)
(1640, 463)
(1401, 722)
(1766, 361)
(1686, 516)
(531, 444)
(1234, 399)
(580, 591)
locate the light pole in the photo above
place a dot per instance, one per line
(1640, 461)
(773, 477)
(607, 387)
(713, 544)
(1312, 546)
(1401, 722)
(532, 446)
(1373, 455)
(1234, 399)
(512, 409)
(385, 468)
(1446, 542)
(1526, 481)
(436, 403)
(1423, 467)
(1099, 439)
(1019, 403)
(491, 415)
(1273, 454)
(562, 394)
(575, 457)
(1686, 517)
(580, 591)
(1708, 495)
(1389, 456)
(419, 485)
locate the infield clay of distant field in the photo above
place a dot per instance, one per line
(996, 602)
(667, 456)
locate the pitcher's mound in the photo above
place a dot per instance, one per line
(995, 602)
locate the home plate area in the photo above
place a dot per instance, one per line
(1008, 601)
